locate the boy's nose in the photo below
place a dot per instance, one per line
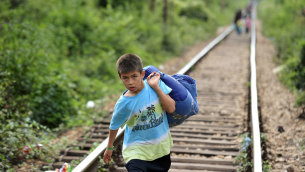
(130, 82)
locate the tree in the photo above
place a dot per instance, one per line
(151, 111)
(165, 11)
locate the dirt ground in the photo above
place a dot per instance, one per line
(285, 150)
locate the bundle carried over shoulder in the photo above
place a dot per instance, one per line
(184, 93)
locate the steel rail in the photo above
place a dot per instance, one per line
(257, 157)
(92, 158)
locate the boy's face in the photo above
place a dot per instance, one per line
(133, 81)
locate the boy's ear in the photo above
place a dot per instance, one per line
(143, 74)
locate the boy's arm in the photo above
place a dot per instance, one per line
(108, 153)
(167, 102)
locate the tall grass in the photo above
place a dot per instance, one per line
(284, 23)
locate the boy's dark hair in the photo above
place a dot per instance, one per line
(129, 63)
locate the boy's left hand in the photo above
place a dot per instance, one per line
(153, 80)
(107, 156)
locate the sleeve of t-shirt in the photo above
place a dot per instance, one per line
(120, 115)
(164, 87)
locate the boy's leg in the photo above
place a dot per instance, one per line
(159, 165)
(163, 163)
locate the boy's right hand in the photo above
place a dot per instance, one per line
(153, 80)
(107, 156)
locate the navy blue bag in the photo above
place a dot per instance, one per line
(184, 93)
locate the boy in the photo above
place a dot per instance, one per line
(142, 107)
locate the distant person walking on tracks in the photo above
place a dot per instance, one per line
(247, 23)
(238, 22)
(248, 17)
(142, 107)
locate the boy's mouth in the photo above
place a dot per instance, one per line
(132, 88)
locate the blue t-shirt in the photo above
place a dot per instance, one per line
(147, 136)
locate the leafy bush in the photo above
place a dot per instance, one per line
(195, 11)
(51, 104)
(300, 68)
(19, 136)
(285, 26)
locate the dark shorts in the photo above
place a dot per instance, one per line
(158, 165)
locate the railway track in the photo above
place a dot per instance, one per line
(208, 141)
(85, 143)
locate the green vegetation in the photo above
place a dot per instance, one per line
(284, 23)
(244, 159)
(56, 55)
